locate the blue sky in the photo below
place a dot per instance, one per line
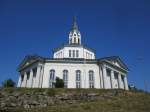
(111, 27)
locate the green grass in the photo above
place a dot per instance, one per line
(56, 91)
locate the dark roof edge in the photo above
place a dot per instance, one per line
(73, 45)
(44, 59)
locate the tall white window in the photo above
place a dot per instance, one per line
(52, 79)
(65, 78)
(78, 79)
(77, 53)
(91, 79)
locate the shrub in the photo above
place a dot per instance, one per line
(59, 83)
(8, 83)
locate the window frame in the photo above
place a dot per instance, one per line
(65, 78)
(52, 78)
(91, 79)
(78, 79)
(77, 53)
(69, 53)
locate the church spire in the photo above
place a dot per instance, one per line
(74, 36)
(75, 26)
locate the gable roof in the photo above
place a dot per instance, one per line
(116, 59)
(73, 45)
(28, 60)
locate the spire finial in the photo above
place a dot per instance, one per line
(75, 26)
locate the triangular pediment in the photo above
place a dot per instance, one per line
(28, 60)
(116, 61)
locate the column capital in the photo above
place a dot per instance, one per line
(39, 65)
(25, 74)
(103, 66)
(112, 71)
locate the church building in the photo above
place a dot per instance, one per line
(76, 64)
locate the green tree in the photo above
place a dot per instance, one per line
(59, 83)
(8, 83)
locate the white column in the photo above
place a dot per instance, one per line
(119, 80)
(28, 79)
(101, 78)
(24, 83)
(38, 73)
(104, 77)
(126, 83)
(19, 81)
(112, 79)
(41, 76)
(31, 79)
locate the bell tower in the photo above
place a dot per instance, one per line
(74, 35)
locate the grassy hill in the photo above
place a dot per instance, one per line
(79, 100)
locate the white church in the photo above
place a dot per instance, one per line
(76, 65)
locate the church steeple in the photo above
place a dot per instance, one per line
(74, 35)
(75, 26)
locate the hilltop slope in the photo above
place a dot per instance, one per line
(73, 100)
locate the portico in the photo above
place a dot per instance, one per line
(31, 78)
(109, 78)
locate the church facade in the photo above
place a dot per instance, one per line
(76, 64)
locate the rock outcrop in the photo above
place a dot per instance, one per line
(12, 99)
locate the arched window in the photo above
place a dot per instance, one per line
(65, 78)
(91, 76)
(52, 79)
(74, 39)
(78, 79)
(91, 79)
